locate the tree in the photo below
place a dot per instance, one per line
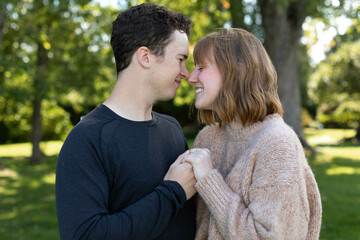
(52, 56)
(2, 19)
(282, 25)
(338, 88)
(282, 28)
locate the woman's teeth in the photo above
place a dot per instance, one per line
(199, 90)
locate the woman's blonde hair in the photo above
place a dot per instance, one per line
(249, 80)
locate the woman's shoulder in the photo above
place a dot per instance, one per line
(276, 129)
(276, 136)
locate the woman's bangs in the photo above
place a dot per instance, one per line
(202, 50)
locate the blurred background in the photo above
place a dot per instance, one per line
(56, 65)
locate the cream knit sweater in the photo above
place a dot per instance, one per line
(262, 186)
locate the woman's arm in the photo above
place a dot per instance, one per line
(272, 201)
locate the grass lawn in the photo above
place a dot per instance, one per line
(337, 170)
(27, 194)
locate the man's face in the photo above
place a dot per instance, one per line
(170, 69)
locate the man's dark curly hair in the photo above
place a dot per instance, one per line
(146, 25)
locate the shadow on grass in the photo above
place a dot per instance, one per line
(341, 145)
(27, 199)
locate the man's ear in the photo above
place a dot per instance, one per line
(143, 55)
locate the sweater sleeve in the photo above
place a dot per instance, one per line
(273, 206)
(82, 198)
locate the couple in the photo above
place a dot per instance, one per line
(124, 172)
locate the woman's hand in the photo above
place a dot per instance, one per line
(200, 159)
(182, 172)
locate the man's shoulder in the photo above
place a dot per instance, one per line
(92, 125)
(166, 119)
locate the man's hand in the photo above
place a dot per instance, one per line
(200, 159)
(182, 172)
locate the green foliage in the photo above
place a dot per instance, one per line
(345, 115)
(80, 71)
(206, 15)
(56, 121)
(351, 35)
(77, 73)
(337, 87)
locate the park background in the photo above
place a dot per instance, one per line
(56, 65)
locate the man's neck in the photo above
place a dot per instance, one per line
(129, 99)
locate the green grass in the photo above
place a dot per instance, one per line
(27, 199)
(24, 149)
(336, 166)
(27, 192)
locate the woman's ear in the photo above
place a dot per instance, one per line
(143, 57)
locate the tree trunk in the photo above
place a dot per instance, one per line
(237, 14)
(2, 24)
(357, 136)
(2, 20)
(39, 79)
(282, 23)
(36, 132)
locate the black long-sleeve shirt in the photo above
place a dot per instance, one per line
(109, 180)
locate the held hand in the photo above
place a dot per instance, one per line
(182, 173)
(200, 159)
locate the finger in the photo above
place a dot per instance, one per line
(187, 164)
(180, 158)
(189, 160)
(194, 150)
(206, 150)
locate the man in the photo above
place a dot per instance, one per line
(113, 178)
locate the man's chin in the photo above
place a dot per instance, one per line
(167, 98)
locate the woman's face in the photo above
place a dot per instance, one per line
(207, 80)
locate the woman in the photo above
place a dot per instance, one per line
(256, 183)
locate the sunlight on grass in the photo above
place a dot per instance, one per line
(51, 148)
(24, 149)
(348, 152)
(327, 136)
(342, 170)
(9, 215)
(34, 184)
(7, 191)
(7, 172)
(50, 178)
(15, 150)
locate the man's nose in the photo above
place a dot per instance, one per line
(185, 73)
(192, 78)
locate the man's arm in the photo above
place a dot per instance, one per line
(82, 196)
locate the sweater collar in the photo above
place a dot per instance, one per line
(245, 133)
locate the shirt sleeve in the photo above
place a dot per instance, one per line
(82, 197)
